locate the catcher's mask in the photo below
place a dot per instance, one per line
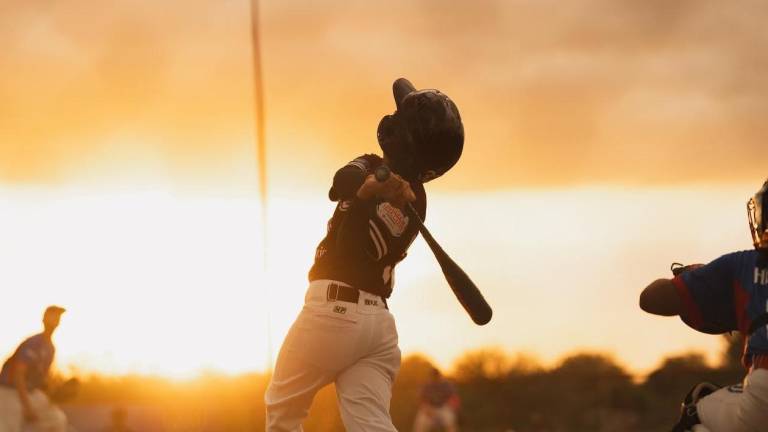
(757, 209)
(424, 137)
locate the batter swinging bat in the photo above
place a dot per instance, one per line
(465, 290)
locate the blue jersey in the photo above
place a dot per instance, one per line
(37, 353)
(728, 294)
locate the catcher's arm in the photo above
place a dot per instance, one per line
(661, 297)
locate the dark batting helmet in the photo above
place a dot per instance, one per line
(424, 137)
(757, 209)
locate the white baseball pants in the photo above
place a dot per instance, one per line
(49, 417)
(429, 418)
(351, 344)
(731, 410)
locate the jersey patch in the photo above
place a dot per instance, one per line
(395, 221)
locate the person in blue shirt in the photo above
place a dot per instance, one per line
(23, 403)
(730, 294)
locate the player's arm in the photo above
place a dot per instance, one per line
(702, 295)
(350, 177)
(661, 298)
(20, 383)
(356, 181)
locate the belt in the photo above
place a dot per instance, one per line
(344, 293)
(760, 361)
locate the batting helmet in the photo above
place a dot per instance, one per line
(424, 137)
(757, 209)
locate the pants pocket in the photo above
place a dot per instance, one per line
(326, 339)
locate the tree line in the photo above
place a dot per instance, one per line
(499, 392)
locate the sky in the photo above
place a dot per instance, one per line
(604, 140)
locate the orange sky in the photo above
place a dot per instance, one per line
(557, 92)
(127, 170)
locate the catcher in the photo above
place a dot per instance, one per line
(728, 294)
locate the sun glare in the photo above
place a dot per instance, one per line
(175, 285)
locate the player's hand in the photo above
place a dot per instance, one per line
(678, 269)
(29, 414)
(394, 190)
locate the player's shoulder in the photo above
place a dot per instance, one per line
(31, 345)
(34, 340)
(731, 265)
(737, 258)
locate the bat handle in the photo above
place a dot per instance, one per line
(382, 173)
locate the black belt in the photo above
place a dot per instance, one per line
(345, 293)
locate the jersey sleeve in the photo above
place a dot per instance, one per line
(707, 294)
(351, 176)
(27, 352)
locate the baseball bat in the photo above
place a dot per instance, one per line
(462, 286)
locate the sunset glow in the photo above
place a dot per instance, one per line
(172, 284)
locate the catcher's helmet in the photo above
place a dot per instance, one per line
(757, 209)
(424, 137)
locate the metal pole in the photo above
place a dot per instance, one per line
(261, 158)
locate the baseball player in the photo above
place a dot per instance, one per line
(728, 294)
(439, 403)
(119, 421)
(345, 333)
(23, 378)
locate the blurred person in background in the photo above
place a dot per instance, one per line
(439, 405)
(23, 379)
(119, 421)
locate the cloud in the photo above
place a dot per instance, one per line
(551, 92)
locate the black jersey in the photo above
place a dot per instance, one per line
(365, 239)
